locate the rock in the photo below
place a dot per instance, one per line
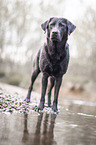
(75, 87)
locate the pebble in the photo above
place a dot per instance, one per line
(13, 103)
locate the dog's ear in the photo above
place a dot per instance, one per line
(44, 25)
(71, 27)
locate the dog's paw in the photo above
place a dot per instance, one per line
(55, 109)
(40, 107)
(50, 105)
(27, 100)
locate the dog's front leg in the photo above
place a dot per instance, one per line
(49, 90)
(58, 82)
(44, 86)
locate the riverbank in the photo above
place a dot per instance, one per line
(21, 125)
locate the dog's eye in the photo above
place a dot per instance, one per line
(61, 25)
(52, 25)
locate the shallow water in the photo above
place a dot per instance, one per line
(74, 125)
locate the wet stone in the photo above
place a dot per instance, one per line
(9, 103)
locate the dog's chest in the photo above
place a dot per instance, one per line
(53, 68)
(56, 69)
(55, 64)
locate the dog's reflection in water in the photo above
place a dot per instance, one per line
(43, 135)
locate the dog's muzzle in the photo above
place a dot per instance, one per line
(55, 35)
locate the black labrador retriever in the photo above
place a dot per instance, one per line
(52, 59)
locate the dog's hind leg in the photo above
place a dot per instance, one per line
(35, 73)
(49, 90)
(33, 78)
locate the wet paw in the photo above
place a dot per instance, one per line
(27, 100)
(37, 109)
(50, 105)
(55, 109)
(40, 107)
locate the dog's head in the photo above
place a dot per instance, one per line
(58, 28)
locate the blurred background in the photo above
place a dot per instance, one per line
(21, 36)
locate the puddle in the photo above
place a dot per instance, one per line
(74, 125)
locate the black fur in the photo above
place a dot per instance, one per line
(52, 59)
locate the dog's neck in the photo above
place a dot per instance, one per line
(55, 47)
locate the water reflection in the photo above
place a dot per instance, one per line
(75, 125)
(44, 135)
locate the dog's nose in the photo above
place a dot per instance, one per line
(55, 32)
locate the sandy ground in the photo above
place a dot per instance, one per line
(12, 99)
(15, 90)
(68, 91)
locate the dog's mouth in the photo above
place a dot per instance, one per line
(55, 38)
